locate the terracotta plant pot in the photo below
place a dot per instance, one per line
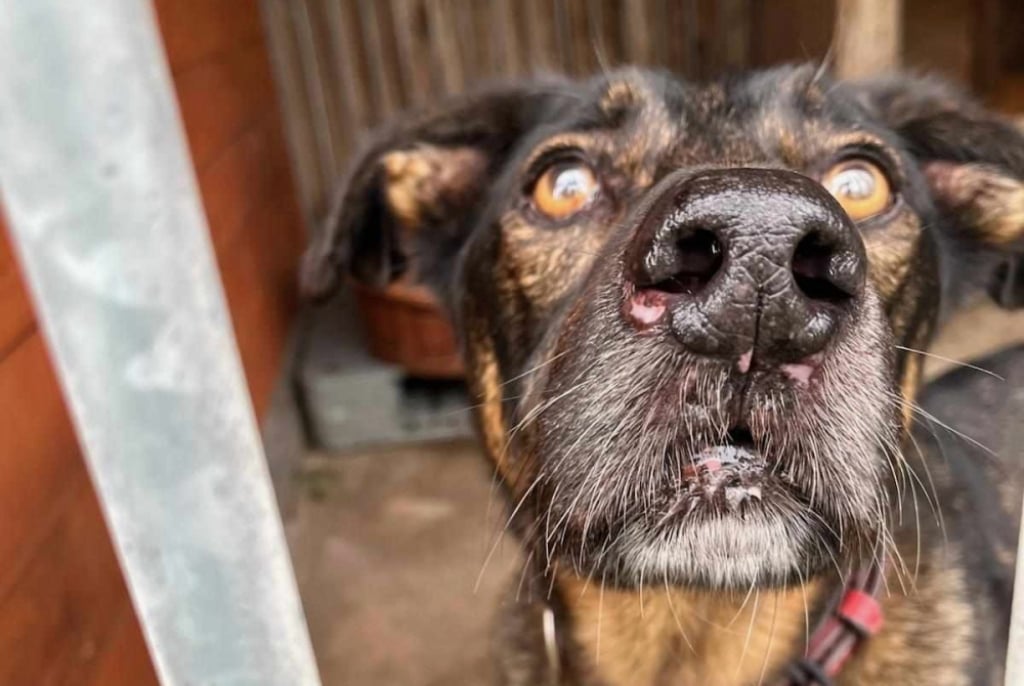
(404, 325)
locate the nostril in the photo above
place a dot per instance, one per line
(813, 269)
(698, 257)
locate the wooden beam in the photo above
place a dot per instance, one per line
(869, 37)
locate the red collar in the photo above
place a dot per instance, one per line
(852, 620)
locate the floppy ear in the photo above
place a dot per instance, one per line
(973, 161)
(408, 197)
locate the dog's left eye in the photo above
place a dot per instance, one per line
(564, 189)
(860, 186)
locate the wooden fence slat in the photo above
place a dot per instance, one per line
(348, 65)
(294, 106)
(868, 37)
(313, 78)
(445, 41)
(411, 39)
(541, 37)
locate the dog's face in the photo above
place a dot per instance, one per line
(688, 310)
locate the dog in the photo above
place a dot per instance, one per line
(693, 319)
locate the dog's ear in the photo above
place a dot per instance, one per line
(408, 197)
(973, 161)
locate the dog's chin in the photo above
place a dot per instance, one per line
(727, 552)
(768, 542)
(729, 521)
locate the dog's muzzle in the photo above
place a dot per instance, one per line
(745, 263)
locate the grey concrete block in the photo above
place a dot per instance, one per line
(352, 400)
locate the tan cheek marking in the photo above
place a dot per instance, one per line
(889, 250)
(909, 386)
(887, 268)
(486, 381)
(543, 263)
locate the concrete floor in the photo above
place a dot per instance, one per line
(388, 546)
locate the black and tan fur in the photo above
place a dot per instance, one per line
(579, 415)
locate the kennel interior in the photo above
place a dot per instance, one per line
(362, 415)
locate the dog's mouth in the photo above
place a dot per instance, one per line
(675, 495)
(725, 477)
(761, 502)
(730, 478)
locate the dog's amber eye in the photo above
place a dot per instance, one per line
(860, 186)
(564, 189)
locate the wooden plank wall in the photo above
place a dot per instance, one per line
(65, 615)
(348, 65)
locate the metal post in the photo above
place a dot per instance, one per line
(1015, 649)
(106, 218)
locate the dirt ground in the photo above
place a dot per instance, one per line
(389, 548)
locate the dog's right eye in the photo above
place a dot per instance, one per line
(565, 189)
(860, 186)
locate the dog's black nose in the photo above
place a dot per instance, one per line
(748, 260)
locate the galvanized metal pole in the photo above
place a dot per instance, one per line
(1015, 649)
(106, 218)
